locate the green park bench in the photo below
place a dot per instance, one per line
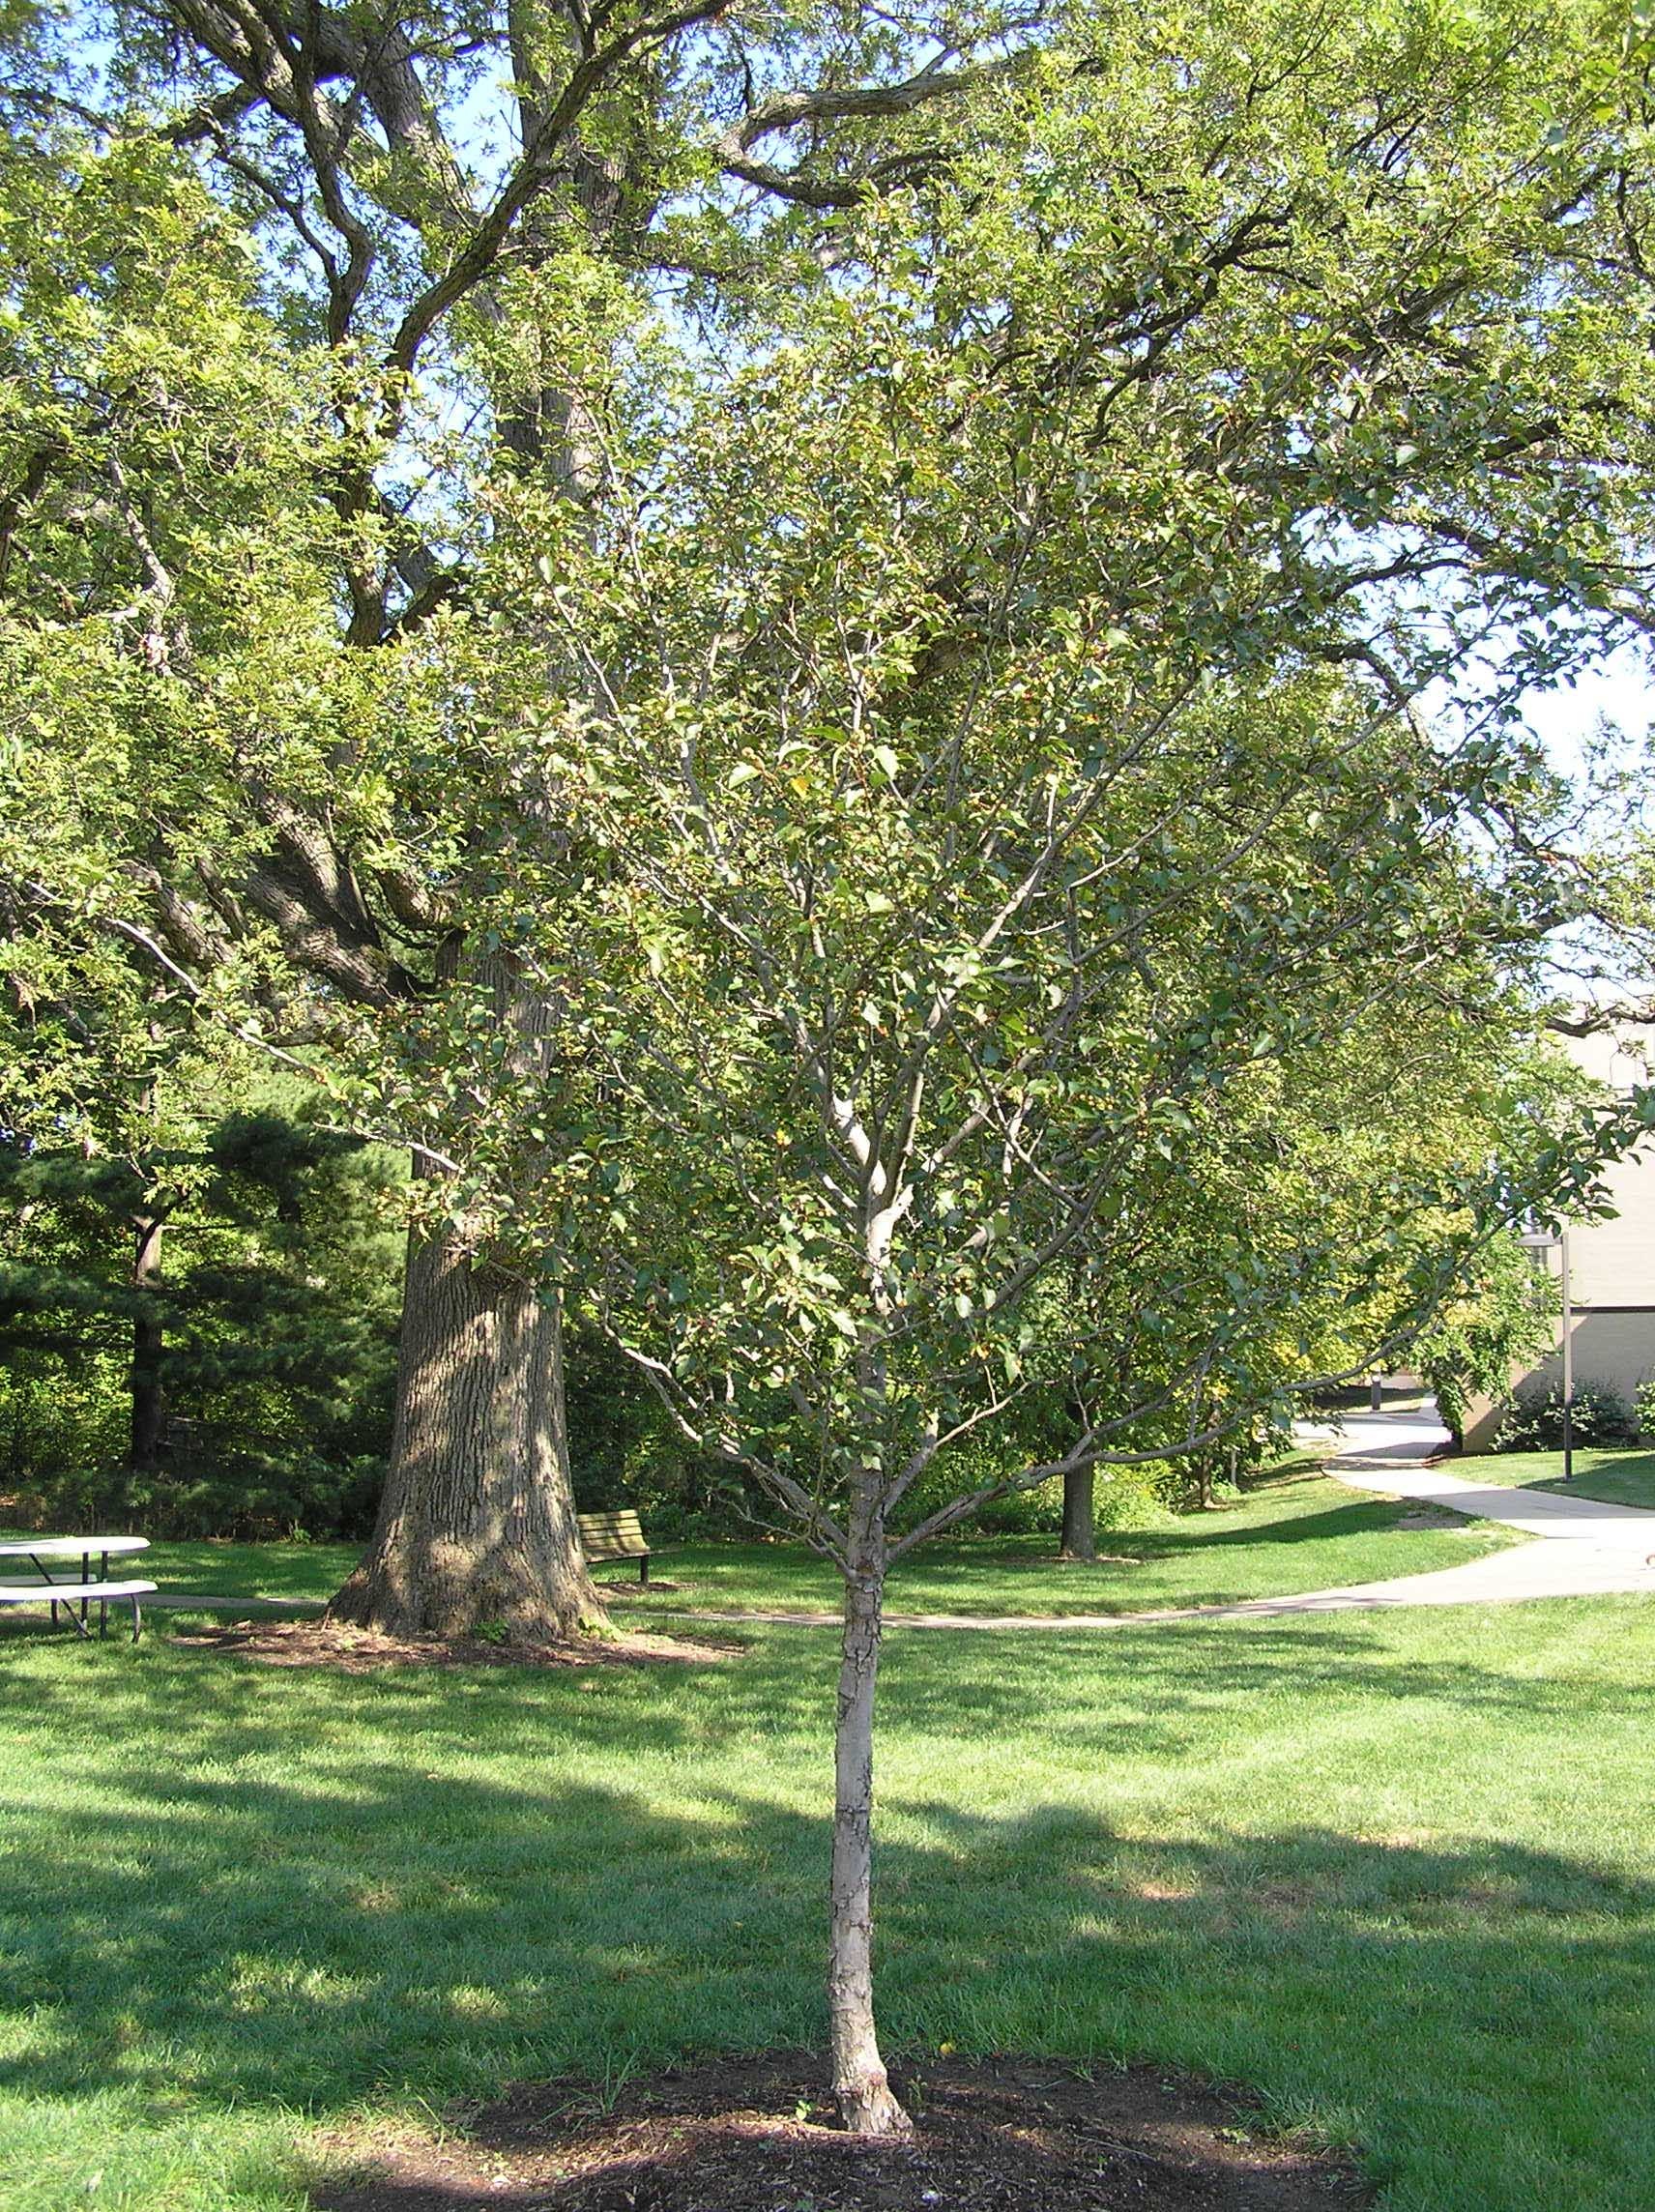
(613, 1536)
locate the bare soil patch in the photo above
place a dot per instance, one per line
(362, 1650)
(758, 2135)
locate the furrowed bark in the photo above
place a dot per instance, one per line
(477, 1525)
(867, 2102)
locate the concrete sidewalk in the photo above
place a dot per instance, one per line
(1588, 1548)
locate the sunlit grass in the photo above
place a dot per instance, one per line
(1393, 1870)
(1616, 1475)
(1296, 1532)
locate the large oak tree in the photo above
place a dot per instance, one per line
(405, 174)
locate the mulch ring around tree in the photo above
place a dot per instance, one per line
(364, 1650)
(758, 2135)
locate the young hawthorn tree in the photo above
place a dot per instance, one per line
(899, 1071)
(997, 746)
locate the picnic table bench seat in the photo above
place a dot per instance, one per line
(613, 1536)
(104, 1594)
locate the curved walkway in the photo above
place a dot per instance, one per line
(1589, 1546)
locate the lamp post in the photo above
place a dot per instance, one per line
(1542, 1243)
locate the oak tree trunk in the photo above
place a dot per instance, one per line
(1080, 1525)
(147, 1347)
(477, 1525)
(867, 2102)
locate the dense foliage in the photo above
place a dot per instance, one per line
(1503, 1310)
(240, 1382)
(1598, 1414)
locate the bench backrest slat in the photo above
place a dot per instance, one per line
(616, 1536)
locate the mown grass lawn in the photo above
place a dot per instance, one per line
(1397, 1872)
(1294, 1532)
(1297, 1532)
(215, 1569)
(1619, 1475)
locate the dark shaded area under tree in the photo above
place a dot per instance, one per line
(200, 1339)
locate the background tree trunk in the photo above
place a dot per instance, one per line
(148, 1345)
(1080, 1530)
(867, 2102)
(477, 1525)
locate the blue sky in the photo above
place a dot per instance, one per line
(1620, 687)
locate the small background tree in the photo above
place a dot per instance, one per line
(1504, 1311)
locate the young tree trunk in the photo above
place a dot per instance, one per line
(1080, 1521)
(867, 2102)
(148, 1345)
(477, 1525)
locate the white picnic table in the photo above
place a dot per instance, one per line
(70, 1590)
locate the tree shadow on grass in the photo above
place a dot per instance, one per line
(309, 1889)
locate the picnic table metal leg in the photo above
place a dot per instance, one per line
(45, 1574)
(86, 1577)
(137, 1620)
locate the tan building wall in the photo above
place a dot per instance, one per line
(1611, 1264)
(1615, 1348)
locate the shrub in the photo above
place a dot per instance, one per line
(1644, 1405)
(1601, 1415)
